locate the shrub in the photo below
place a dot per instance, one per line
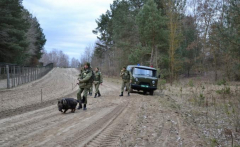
(190, 83)
(225, 90)
(221, 82)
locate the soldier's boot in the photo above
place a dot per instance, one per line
(95, 95)
(121, 94)
(79, 106)
(84, 107)
(128, 93)
(99, 94)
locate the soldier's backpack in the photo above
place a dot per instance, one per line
(92, 77)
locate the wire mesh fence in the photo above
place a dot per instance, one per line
(13, 75)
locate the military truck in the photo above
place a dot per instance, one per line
(144, 78)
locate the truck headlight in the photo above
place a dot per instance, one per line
(153, 82)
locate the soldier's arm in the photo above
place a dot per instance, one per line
(86, 78)
(121, 73)
(131, 77)
(79, 76)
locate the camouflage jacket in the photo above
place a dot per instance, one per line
(84, 78)
(80, 75)
(126, 75)
(98, 78)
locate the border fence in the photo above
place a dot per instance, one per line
(12, 75)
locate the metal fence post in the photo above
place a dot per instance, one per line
(14, 76)
(31, 74)
(8, 80)
(23, 69)
(19, 75)
(22, 75)
(35, 71)
(28, 74)
(40, 72)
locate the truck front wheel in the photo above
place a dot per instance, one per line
(144, 92)
(151, 92)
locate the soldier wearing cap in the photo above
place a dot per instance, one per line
(80, 86)
(126, 80)
(84, 84)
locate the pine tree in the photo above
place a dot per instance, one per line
(35, 37)
(13, 28)
(150, 22)
(189, 50)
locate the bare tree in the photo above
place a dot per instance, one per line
(88, 53)
(75, 63)
(57, 57)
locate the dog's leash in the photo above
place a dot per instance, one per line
(75, 85)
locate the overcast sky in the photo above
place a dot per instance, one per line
(68, 24)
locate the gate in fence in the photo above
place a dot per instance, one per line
(12, 75)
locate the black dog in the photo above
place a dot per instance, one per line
(67, 103)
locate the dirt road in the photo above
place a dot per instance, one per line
(138, 120)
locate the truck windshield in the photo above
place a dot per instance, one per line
(144, 72)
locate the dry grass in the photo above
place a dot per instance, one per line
(211, 107)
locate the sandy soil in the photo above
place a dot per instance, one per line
(138, 120)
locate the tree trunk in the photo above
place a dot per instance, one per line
(151, 59)
(156, 57)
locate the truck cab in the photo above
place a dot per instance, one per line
(144, 78)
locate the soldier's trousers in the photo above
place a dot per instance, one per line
(91, 89)
(82, 99)
(127, 84)
(96, 88)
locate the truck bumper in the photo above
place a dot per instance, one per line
(143, 87)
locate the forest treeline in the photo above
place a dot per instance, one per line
(177, 37)
(21, 37)
(59, 59)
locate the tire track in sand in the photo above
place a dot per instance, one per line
(83, 137)
(110, 134)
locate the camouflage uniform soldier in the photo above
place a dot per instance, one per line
(80, 86)
(84, 85)
(126, 80)
(97, 81)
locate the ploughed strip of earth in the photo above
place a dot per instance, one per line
(110, 120)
